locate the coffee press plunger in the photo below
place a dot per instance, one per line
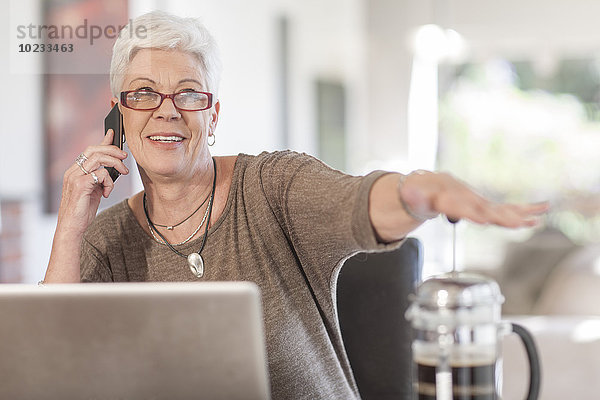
(457, 335)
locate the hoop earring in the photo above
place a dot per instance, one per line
(213, 140)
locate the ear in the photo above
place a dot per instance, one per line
(215, 115)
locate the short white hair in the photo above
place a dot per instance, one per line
(164, 31)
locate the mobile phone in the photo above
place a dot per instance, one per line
(114, 121)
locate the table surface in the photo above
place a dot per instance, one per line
(569, 349)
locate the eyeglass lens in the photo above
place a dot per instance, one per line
(146, 100)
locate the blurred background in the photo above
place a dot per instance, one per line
(504, 95)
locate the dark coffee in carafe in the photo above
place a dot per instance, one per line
(470, 381)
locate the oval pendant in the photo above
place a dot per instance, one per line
(196, 264)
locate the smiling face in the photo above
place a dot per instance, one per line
(167, 142)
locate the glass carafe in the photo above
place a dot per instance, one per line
(457, 336)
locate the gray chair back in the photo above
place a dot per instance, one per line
(372, 297)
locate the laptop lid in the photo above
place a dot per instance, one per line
(132, 341)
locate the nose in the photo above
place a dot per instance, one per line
(167, 110)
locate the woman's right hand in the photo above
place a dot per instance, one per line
(81, 193)
(83, 186)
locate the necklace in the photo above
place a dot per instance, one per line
(195, 261)
(170, 227)
(161, 241)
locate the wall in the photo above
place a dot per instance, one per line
(526, 28)
(21, 151)
(325, 41)
(365, 44)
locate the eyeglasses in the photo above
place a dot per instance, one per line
(146, 100)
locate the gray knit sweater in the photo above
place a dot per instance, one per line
(289, 223)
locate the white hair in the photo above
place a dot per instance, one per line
(164, 31)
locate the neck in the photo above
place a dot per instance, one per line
(170, 200)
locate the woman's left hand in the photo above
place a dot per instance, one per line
(398, 204)
(430, 193)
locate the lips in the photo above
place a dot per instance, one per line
(166, 138)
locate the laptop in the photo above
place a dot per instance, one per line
(132, 341)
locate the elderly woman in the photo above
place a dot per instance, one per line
(283, 220)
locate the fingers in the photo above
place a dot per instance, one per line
(105, 147)
(110, 150)
(79, 178)
(535, 209)
(108, 138)
(98, 160)
(105, 182)
(506, 215)
(104, 155)
(482, 211)
(514, 215)
(442, 193)
(86, 184)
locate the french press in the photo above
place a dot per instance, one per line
(457, 339)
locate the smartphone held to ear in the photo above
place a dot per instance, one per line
(114, 121)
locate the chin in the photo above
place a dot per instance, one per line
(164, 169)
(168, 172)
